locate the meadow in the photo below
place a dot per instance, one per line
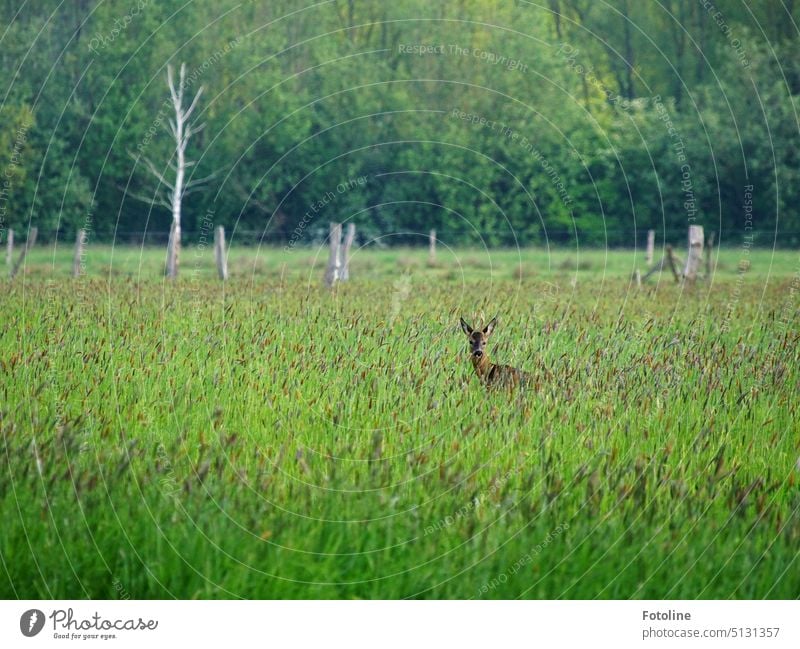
(267, 438)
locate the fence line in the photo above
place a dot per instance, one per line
(337, 269)
(408, 238)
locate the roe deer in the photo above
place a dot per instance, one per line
(491, 375)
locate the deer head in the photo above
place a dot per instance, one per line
(478, 338)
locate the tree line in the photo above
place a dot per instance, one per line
(490, 121)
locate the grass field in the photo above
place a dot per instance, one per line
(269, 439)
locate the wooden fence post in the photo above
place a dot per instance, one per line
(672, 263)
(29, 243)
(432, 247)
(695, 255)
(651, 245)
(80, 240)
(10, 247)
(710, 252)
(655, 269)
(334, 260)
(220, 255)
(348, 241)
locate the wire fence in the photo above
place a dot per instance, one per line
(365, 236)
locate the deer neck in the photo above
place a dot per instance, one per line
(481, 365)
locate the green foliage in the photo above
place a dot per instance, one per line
(574, 143)
(16, 123)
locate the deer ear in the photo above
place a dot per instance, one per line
(467, 329)
(490, 327)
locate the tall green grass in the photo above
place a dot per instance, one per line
(270, 439)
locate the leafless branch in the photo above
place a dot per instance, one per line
(155, 199)
(192, 106)
(199, 181)
(171, 84)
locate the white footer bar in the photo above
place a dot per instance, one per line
(385, 625)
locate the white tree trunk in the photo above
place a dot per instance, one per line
(182, 129)
(173, 249)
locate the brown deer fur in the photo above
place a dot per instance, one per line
(490, 374)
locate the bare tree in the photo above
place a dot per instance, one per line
(171, 197)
